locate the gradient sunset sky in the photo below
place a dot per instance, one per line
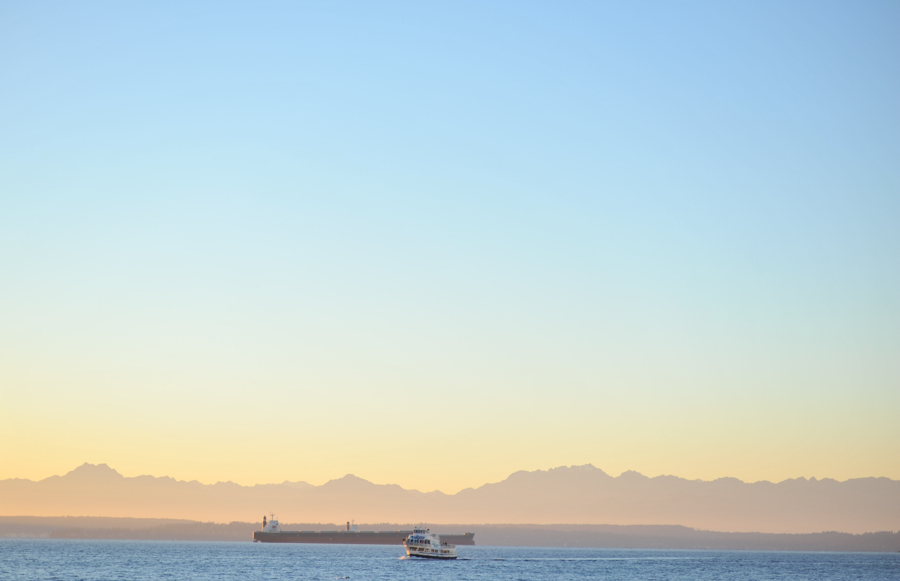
(434, 244)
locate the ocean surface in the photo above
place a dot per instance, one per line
(50, 559)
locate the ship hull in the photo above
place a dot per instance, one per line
(352, 538)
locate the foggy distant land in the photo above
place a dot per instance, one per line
(604, 536)
(577, 495)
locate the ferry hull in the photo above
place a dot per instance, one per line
(436, 557)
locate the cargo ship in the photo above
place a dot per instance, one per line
(271, 533)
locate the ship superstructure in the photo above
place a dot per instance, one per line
(272, 526)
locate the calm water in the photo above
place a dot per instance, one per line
(150, 560)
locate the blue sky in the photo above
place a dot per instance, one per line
(665, 232)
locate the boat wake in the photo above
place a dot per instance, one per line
(415, 560)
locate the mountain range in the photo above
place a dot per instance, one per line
(565, 495)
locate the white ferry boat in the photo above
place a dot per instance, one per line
(423, 543)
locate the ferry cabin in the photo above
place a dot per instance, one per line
(423, 544)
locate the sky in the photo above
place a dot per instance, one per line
(432, 244)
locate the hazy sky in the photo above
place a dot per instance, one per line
(431, 245)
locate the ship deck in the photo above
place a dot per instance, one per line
(353, 537)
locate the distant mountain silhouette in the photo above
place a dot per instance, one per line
(565, 495)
